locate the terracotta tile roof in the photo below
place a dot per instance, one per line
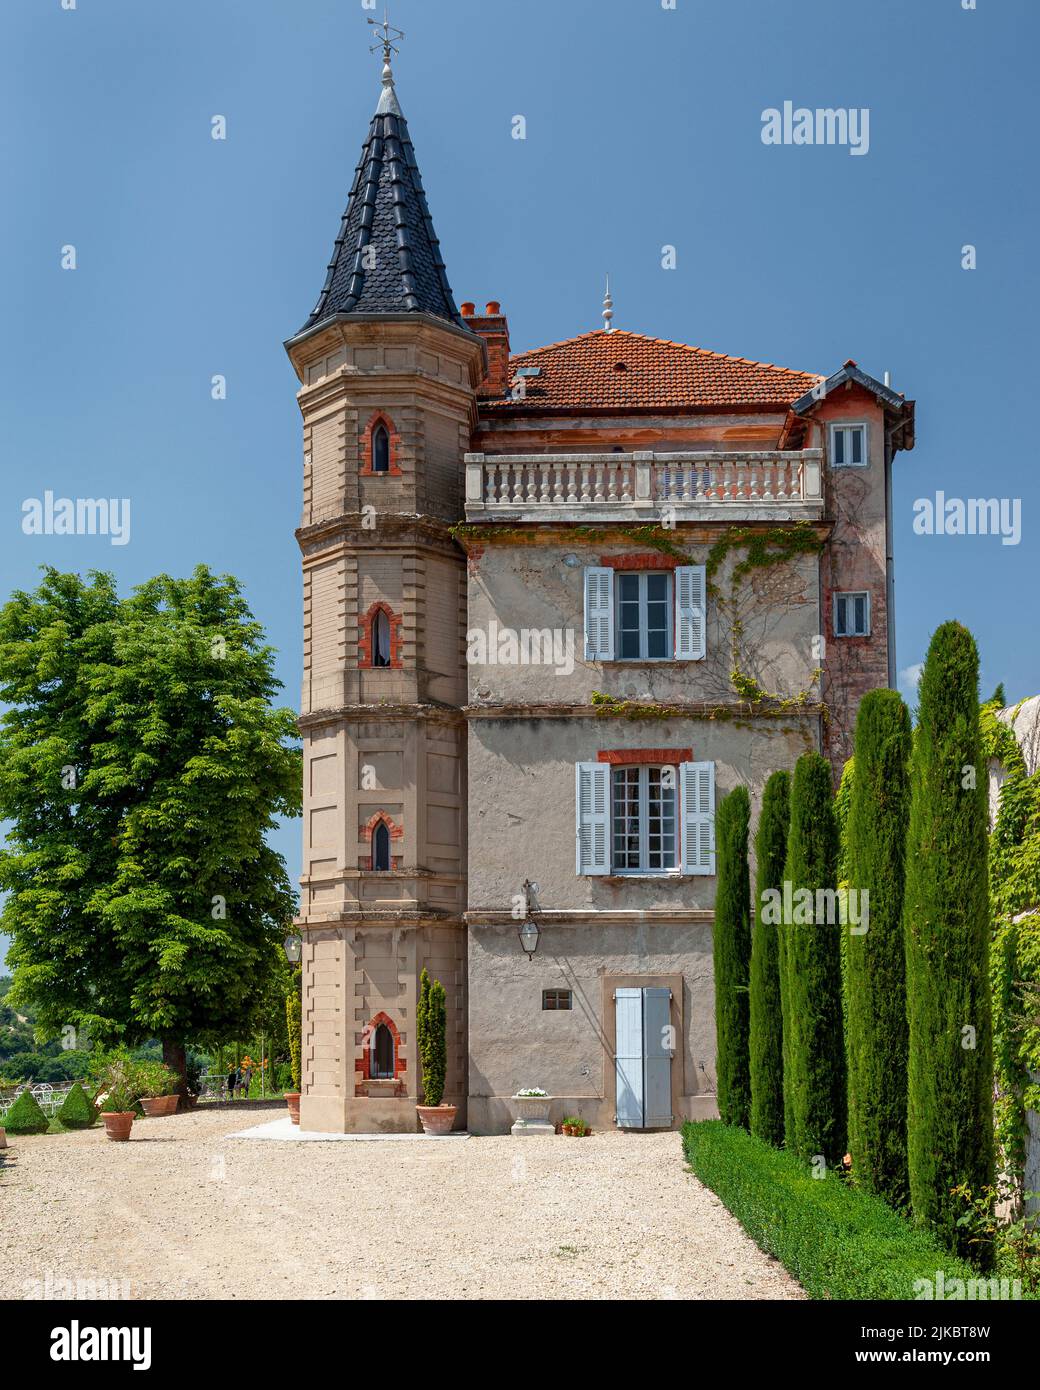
(622, 372)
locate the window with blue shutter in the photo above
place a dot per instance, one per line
(599, 614)
(592, 818)
(697, 803)
(690, 613)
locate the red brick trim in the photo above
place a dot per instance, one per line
(394, 471)
(396, 831)
(620, 757)
(365, 636)
(367, 1036)
(641, 562)
(367, 833)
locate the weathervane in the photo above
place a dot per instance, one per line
(388, 37)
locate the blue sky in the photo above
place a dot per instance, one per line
(198, 257)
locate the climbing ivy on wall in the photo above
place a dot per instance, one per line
(762, 549)
(1014, 869)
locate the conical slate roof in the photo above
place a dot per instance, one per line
(387, 258)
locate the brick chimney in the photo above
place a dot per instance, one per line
(493, 327)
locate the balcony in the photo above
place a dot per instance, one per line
(777, 485)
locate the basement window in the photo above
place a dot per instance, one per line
(557, 999)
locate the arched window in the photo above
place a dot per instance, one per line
(380, 450)
(381, 638)
(382, 1059)
(381, 847)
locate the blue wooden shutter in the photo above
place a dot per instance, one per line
(690, 613)
(599, 614)
(592, 817)
(697, 802)
(628, 1048)
(657, 1058)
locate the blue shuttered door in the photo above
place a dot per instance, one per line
(657, 1059)
(628, 1023)
(643, 1060)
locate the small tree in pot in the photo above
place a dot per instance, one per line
(121, 1083)
(431, 1028)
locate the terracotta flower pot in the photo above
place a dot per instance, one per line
(159, 1105)
(437, 1119)
(118, 1124)
(292, 1100)
(568, 1130)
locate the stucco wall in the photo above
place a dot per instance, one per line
(541, 586)
(526, 827)
(570, 1053)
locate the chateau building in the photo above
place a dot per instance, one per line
(557, 604)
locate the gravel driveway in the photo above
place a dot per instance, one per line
(182, 1211)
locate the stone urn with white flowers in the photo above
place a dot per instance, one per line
(531, 1104)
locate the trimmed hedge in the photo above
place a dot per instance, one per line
(76, 1111)
(766, 1015)
(732, 956)
(814, 1044)
(837, 1241)
(947, 927)
(875, 977)
(25, 1116)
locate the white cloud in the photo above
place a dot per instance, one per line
(908, 678)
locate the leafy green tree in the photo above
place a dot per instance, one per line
(732, 957)
(814, 1066)
(875, 980)
(946, 927)
(142, 765)
(766, 1010)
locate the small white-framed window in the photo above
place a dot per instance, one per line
(849, 446)
(643, 608)
(852, 615)
(645, 808)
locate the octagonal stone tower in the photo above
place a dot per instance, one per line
(389, 375)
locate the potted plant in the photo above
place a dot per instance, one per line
(120, 1089)
(532, 1111)
(568, 1125)
(159, 1095)
(431, 1027)
(292, 1020)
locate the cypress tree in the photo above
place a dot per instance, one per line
(875, 979)
(766, 1012)
(946, 929)
(814, 1067)
(732, 952)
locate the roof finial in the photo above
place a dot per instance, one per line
(387, 40)
(608, 307)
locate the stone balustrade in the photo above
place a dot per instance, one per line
(753, 485)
